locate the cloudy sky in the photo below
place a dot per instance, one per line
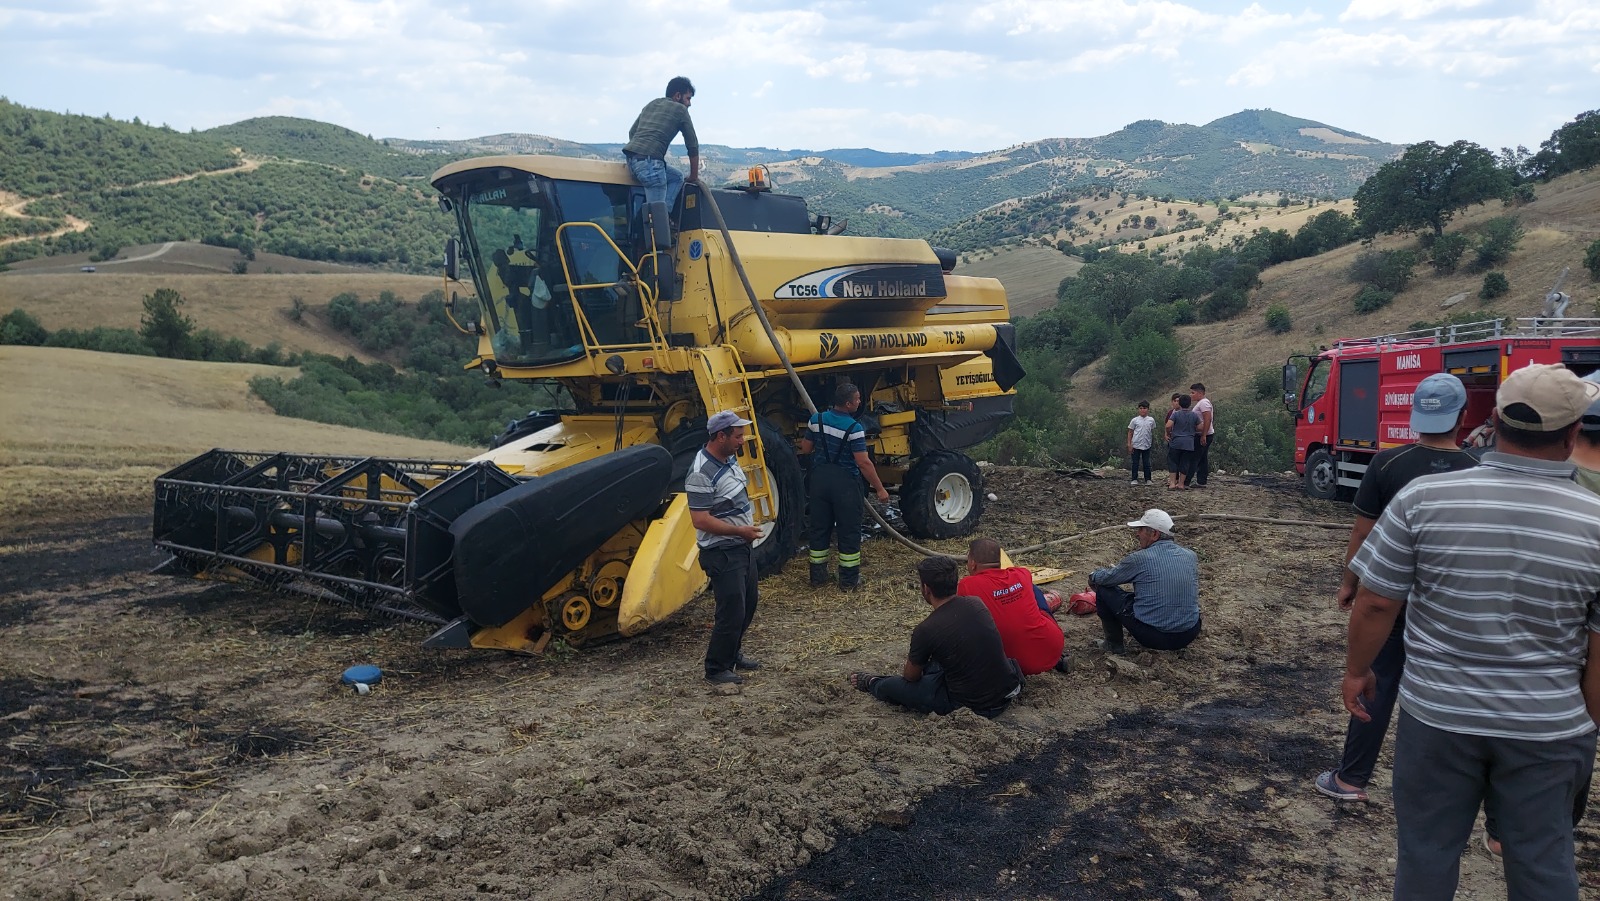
(889, 74)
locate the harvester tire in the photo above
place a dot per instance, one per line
(790, 492)
(942, 496)
(1322, 476)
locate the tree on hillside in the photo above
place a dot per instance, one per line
(1114, 285)
(1427, 185)
(1573, 146)
(163, 326)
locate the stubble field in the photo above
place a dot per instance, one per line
(175, 739)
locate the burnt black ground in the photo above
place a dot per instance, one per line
(102, 548)
(1103, 813)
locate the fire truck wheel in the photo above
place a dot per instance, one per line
(784, 534)
(942, 496)
(1322, 476)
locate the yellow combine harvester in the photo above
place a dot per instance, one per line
(576, 526)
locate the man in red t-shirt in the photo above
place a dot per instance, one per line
(1031, 636)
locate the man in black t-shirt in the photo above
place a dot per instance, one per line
(1436, 408)
(956, 659)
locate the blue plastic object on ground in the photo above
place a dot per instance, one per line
(362, 673)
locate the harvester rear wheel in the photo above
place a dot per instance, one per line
(942, 496)
(788, 482)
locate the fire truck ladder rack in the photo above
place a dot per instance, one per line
(1530, 327)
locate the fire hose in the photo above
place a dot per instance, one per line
(800, 388)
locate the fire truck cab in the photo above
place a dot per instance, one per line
(1354, 398)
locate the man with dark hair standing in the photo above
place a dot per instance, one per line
(1205, 436)
(720, 508)
(1436, 408)
(661, 120)
(1499, 569)
(956, 659)
(838, 445)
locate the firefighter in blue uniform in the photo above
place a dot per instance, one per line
(838, 448)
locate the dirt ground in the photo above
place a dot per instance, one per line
(170, 739)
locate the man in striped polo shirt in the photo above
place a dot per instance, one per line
(720, 508)
(1499, 567)
(837, 446)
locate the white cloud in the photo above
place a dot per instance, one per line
(1361, 10)
(1014, 70)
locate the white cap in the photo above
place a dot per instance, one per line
(1154, 519)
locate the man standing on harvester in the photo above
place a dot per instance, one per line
(720, 508)
(838, 448)
(651, 134)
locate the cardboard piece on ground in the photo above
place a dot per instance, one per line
(1047, 574)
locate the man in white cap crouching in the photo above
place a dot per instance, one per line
(1162, 612)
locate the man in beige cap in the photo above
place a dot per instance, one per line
(1499, 567)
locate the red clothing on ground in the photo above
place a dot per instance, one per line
(1031, 636)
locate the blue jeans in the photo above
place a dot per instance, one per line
(661, 182)
(1136, 457)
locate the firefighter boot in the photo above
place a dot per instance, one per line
(819, 569)
(849, 571)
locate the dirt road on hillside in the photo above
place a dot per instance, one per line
(168, 739)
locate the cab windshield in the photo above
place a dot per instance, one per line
(536, 276)
(1316, 382)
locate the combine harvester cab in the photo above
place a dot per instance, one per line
(575, 525)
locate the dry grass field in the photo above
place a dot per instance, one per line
(1561, 223)
(253, 306)
(87, 431)
(1031, 274)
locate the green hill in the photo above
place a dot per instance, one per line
(44, 153)
(1268, 127)
(323, 192)
(289, 138)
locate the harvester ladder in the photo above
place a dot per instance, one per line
(724, 385)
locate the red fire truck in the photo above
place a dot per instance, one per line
(1354, 398)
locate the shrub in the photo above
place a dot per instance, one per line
(1266, 383)
(1364, 268)
(1389, 270)
(18, 327)
(1372, 299)
(1446, 253)
(1224, 303)
(1522, 194)
(1591, 260)
(1158, 319)
(1278, 318)
(1146, 361)
(1494, 285)
(1498, 239)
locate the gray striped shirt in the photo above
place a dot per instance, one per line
(719, 486)
(1501, 567)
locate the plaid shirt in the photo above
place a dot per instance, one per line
(658, 123)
